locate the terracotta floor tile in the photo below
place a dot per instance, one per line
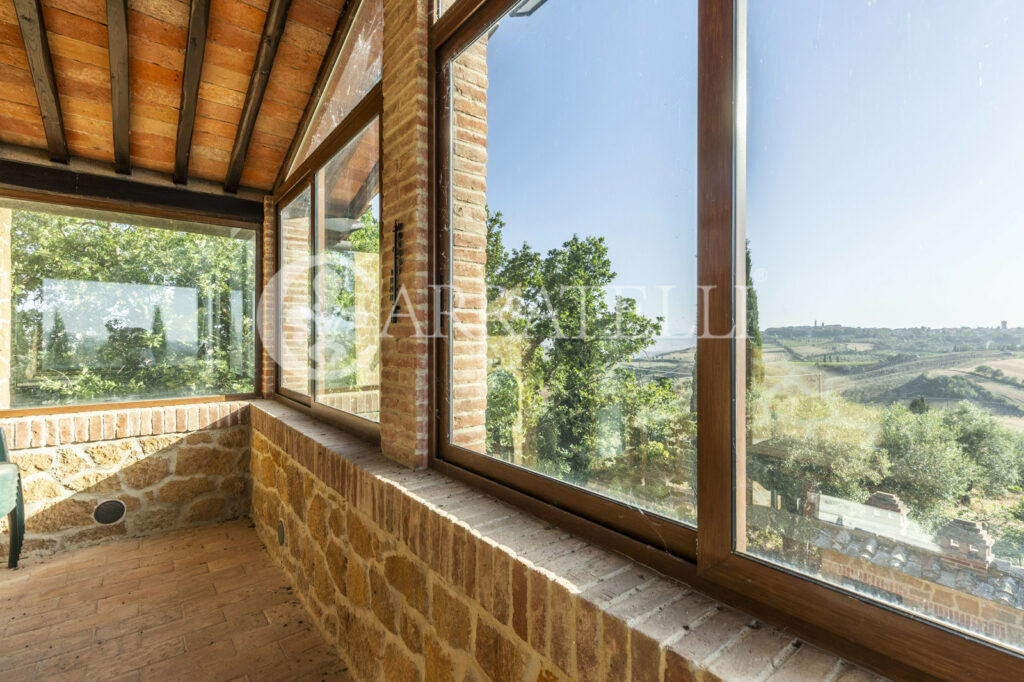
(196, 605)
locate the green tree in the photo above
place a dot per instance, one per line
(367, 238)
(918, 405)
(929, 470)
(58, 346)
(755, 364)
(159, 337)
(985, 443)
(573, 338)
(502, 409)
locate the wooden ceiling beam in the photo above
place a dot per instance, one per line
(120, 99)
(60, 184)
(341, 30)
(273, 29)
(195, 49)
(37, 49)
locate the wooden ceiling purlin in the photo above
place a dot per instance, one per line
(120, 83)
(338, 37)
(198, 20)
(273, 29)
(193, 90)
(37, 49)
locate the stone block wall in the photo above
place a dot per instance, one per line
(172, 467)
(413, 576)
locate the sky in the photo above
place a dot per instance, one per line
(883, 173)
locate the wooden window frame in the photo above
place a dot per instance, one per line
(873, 634)
(138, 203)
(309, 175)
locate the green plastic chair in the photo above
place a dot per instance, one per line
(12, 502)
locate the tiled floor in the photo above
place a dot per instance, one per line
(202, 604)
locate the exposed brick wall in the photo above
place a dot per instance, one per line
(469, 247)
(268, 298)
(172, 467)
(293, 282)
(999, 621)
(404, 416)
(413, 576)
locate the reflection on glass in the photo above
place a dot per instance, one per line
(885, 402)
(573, 214)
(348, 280)
(294, 290)
(356, 71)
(108, 307)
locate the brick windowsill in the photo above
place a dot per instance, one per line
(567, 607)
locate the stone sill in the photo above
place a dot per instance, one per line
(587, 612)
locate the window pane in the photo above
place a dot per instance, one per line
(356, 71)
(106, 307)
(348, 280)
(573, 213)
(294, 288)
(885, 407)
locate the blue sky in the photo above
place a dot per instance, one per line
(884, 152)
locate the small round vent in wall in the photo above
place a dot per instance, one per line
(109, 512)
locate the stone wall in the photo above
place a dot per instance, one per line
(172, 467)
(413, 576)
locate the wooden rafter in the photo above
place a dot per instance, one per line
(195, 49)
(344, 26)
(273, 29)
(366, 192)
(37, 49)
(117, 41)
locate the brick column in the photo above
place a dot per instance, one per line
(268, 301)
(469, 247)
(6, 311)
(295, 302)
(404, 409)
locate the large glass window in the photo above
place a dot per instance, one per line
(885, 388)
(348, 279)
(354, 73)
(571, 248)
(106, 307)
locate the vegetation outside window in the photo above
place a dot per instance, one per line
(571, 252)
(885, 388)
(107, 307)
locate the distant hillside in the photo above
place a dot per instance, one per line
(911, 339)
(950, 388)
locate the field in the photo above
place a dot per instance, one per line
(884, 366)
